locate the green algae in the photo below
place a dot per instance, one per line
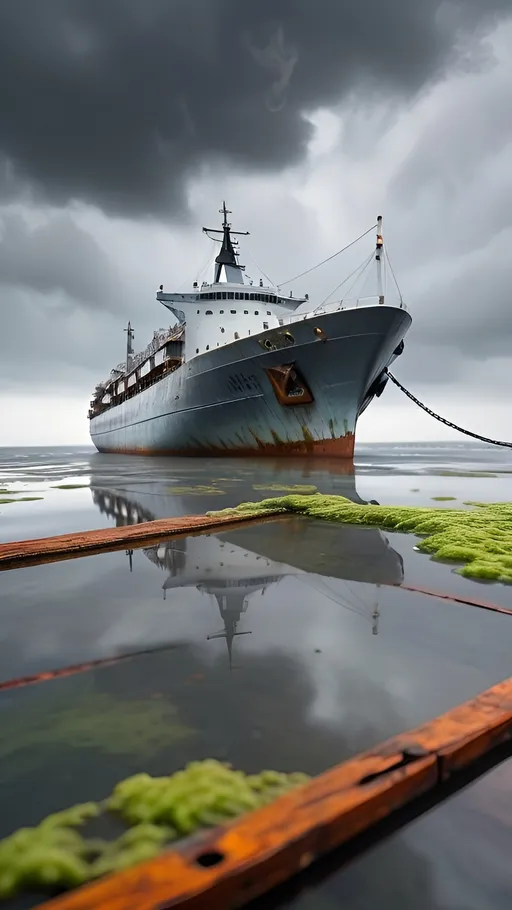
(480, 538)
(444, 498)
(54, 856)
(21, 499)
(199, 490)
(107, 723)
(301, 489)
(464, 474)
(70, 486)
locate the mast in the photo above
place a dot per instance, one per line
(130, 334)
(378, 257)
(227, 256)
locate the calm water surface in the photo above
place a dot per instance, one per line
(288, 645)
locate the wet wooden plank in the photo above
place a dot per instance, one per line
(14, 554)
(230, 866)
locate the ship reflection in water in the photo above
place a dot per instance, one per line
(233, 568)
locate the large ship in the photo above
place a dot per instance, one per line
(247, 370)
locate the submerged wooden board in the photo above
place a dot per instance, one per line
(230, 866)
(82, 543)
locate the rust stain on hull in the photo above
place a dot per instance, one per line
(230, 866)
(342, 447)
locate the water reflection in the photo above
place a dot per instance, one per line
(232, 567)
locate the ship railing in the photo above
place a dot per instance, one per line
(354, 303)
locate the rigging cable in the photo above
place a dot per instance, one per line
(271, 283)
(363, 265)
(388, 260)
(312, 269)
(448, 423)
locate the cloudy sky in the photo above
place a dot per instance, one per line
(123, 125)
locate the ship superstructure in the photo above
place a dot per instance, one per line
(241, 372)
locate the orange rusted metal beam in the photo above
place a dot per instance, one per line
(34, 679)
(230, 866)
(458, 599)
(82, 543)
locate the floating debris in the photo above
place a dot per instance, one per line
(53, 856)
(480, 538)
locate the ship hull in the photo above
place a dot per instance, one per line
(223, 402)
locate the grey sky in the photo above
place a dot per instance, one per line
(124, 125)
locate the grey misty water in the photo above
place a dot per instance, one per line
(289, 645)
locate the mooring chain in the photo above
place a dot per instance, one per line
(448, 423)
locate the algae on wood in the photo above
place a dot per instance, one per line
(480, 538)
(54, 856)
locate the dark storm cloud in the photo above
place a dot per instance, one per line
(57, 256)
(118, 102)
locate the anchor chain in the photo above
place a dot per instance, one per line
(447, 423)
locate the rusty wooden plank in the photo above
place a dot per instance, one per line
(230, 866)
(14, 554)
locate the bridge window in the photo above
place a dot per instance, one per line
(231, 296)
(209, 313)
(253, 297)
(219, 295)
(237, 296)
(224, 295)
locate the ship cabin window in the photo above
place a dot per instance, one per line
(246, 312)
(231, 296)
(237, 336)
(221, 311)
(256, 312)
(209, 313)
(265, 325)
(198, 311)
(222, 329)
(233, 312)
(269, 313)
(197, 350)
(207, 347)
